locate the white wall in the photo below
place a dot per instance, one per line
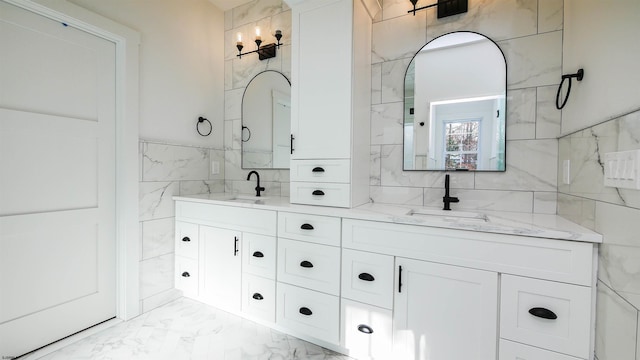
(602, 38)
(181, 65)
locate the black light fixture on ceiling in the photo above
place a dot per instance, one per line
(445, 7)
(264, 52)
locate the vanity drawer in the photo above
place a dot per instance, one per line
(308, 312)
(259, 297)
(259, 255)
(366, 331)
(311, 228)
(546, 314)
(321, 194)
(336, 171)
(186, 276)
(186, 240)
(368, 277)
(308, 265)
(510, 350)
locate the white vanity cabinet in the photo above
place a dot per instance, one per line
(308, 274)
(453, 286)
(229, 253)
(330, 98)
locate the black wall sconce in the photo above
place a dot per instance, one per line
(445, 7)
(265, 51)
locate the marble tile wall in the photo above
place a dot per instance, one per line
(167, 170)
(269, 15)
(615, 213)
(529, 32)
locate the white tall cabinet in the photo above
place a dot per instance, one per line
(330, 102)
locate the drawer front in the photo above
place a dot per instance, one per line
(336, 171)
(366, 331)
(510, 350)
(259, 297)
(527, 311)
(368, 278)
(257, 221)
(311, 228)
(186, 276)
(259, 255)
(187, 240)
(321, 194)
(308, 265)
(308, 312)
(557, 260)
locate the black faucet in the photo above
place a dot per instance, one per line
(448, 199)
(258, 188)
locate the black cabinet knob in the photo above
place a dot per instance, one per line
(306, 264)
(317, 169)
(186, 239)
(366, 277)
(257, 296)
(306, 227)
(305, 311)
(543, 313)
(318, 192)
(258, 254)
(365, 329)
(185, 274)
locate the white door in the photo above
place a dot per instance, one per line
(57, 180)
(444, 312)
(220, 267)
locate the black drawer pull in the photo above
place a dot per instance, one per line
(186, 239)
(366, 277)
(305, 311)
(317, 169)
(543, 313)
(306, 227)
(258, 254)
(185, 274)
(365, 329)
(318, 192)
(306, 264)
(257, 296)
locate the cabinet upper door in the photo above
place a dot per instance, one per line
(444, 312)
(220, 267)
(322, 75)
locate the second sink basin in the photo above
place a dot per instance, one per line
(452, 214)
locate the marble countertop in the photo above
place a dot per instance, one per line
(511, 223)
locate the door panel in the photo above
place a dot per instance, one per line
(57, 180)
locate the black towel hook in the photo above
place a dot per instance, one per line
(579, 76)
(200, 121)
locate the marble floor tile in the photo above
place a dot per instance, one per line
(187, 329)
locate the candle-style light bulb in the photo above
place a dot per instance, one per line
(239, 42)
(258, 37)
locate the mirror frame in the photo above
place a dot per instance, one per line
(242, 121)
(506, 104)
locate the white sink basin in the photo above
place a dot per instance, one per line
(449, 214)
(248, 199)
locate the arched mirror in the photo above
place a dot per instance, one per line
(266, 122)
(455, 105)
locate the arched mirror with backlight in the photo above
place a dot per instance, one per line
(266, 122)
(455, 105)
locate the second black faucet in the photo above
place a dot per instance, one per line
(447, 200)
(258, 187)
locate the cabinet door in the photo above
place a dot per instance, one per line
(321, 119)
(444, 312)
(220, 267)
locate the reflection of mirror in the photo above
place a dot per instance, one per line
(266, 122)
(454, 105)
